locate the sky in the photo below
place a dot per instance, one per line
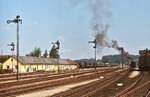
(46, 21)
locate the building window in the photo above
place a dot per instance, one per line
(7, 66)
(16, 67)
(28, 69)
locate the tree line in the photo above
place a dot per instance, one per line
(53, 53)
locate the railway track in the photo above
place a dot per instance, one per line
(141, 91)
(5, 84)
(86, 90)
(148, 93)
(25, 86)
(141, 88)
(108, 87)
(132, 86)
(8, 77)
(111, 89)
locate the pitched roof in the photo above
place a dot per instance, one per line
(38, 60)
(3, 58)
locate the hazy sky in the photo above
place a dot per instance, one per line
(45, 21)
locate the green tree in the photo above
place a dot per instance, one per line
(45, 54)
(54, 52)
(35, 53)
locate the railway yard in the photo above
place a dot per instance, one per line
(74, 48)
(64, 48)
(102, 82)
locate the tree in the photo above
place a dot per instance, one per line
(45, 54)
(106, 59)
(35, 53)
(54, 52)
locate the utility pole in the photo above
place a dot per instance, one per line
(17, 21)
(95, 47)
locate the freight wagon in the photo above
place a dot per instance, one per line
(144, 60)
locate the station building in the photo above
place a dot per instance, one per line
(32, 64)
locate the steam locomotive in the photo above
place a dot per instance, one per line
(144, 60)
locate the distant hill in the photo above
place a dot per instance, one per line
(108, 59)
(116, 59)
